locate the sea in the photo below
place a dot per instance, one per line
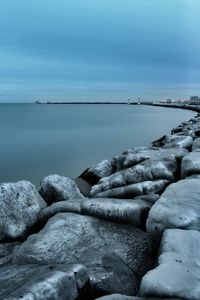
(41, 139)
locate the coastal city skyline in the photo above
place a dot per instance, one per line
(99, 51)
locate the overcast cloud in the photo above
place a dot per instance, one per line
(98, 49)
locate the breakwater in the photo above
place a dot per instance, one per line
(129, 225)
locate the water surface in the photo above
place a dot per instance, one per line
(37, 140)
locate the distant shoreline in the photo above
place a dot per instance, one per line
(187, 106)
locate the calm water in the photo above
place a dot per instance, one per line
(37, 140)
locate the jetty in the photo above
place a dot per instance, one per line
(125, 229)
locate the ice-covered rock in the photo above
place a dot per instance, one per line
(20, 205)
(190, 164)
(184, 141)
(52, 282)
(178, 270)
(148, 170)
(178, 207)
(123, 211)
(133, 190)
(96, 172)
(115, 255)
(74, 206)
(196, 144)
(134, 156)
(55, 188)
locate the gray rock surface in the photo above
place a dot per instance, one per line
(196, 144)
(53, 282)
(148, 170)
(133, 190)
(190, 164)
(20, 205)
(178, 207)
(115, 255)
(55, 188)
(96, 172)
(178, 270)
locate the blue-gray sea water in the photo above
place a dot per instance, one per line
(38, 140)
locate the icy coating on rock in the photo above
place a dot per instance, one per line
(178, 270)
(178, 207)
(115, 255)
(20, 205)
(55, 188)
(58, 282)
(190, 164)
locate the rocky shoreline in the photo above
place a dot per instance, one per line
(127, 228)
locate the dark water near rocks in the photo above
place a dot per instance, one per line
(37, 140)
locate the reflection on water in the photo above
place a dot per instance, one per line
(37, 140)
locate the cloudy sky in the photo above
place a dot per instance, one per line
(99, 49)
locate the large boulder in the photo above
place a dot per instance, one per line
(124, 210)
(136, 155)
(148, 170)
(52, 282)
(20, 205)
(178, 207)
(96, 172)
(115, 255)
(133, 190)
(55, 188)
(196, 144)
(190, 164)
(183, 141)
(178, 270)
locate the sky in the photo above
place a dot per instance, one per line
(99, 50)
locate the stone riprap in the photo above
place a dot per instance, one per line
(104, 222)
(55, 188)
(178, 270)
(20, 205)
(57, 282)
(115, 255)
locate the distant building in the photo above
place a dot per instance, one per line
(195, 100)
